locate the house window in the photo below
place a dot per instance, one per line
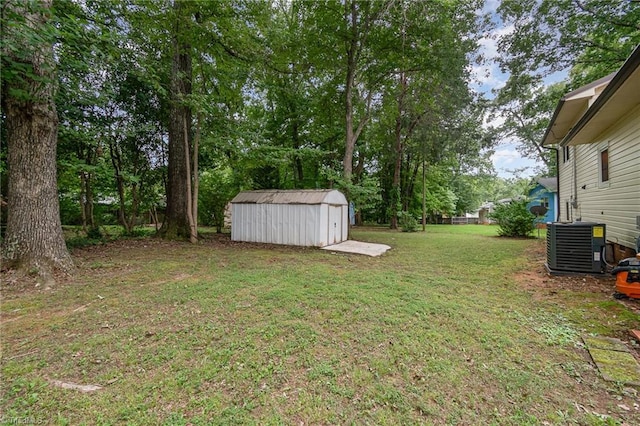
(604, 165)
(567, 211)
(566, 154)
(544, 202)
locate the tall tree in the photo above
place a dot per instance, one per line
(587, 39)
(525, 110)
(179, 220)
(593, 37)
(111, 135)
(34, 239)
(430, 61)
(360, 18)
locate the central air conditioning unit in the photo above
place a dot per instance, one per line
(575, 247)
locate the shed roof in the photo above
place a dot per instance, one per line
(291, 196)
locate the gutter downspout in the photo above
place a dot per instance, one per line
(574, 201)
(557, 200)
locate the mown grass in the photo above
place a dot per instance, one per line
(434, 332)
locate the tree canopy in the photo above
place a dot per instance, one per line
(582, 39)
(163, 106)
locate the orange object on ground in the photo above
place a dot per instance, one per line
(628, 277)
(631, 289)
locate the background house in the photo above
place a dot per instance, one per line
(484, 211)
(545, 193)
(596, 129)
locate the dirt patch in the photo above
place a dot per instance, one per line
(544, 285)
(558, 288)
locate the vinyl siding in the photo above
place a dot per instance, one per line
(616, 203)
(566, 187)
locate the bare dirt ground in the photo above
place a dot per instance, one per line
(545, 286)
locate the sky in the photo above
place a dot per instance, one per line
(506, 158)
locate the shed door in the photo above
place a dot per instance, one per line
(335, 224)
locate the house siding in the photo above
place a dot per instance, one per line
(566, 187)
(617, 202)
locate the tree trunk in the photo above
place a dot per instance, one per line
(88, 192)
(153, 212)
(398, 147)
(86, 202)
(135, 206)
(424, 196)
(298, 172)
(193, 231)
(34, 241)
(176, 222)
(196, 172)
(116, 161)
(352, 47)
(83, 200)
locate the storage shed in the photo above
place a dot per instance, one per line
(313, 218)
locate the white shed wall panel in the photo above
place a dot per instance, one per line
(616, 203)
(291, 224)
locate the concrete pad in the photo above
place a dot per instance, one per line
(357, 247)
(613, 359)
(605, 343)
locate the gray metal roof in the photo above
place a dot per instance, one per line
(291, 196)
(550, 183)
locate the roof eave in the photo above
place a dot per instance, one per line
(549, 131)
(580, 97)
(624, 73)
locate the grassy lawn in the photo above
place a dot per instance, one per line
(437, 331)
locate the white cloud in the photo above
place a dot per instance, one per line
(507, 158)
(488, 76)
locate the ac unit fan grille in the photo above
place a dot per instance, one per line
(573, 248)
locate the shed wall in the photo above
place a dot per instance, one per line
(291, 224)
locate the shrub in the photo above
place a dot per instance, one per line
(514, 219)
(94, 233)
(408, 223)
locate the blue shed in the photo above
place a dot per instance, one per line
(545, 193)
